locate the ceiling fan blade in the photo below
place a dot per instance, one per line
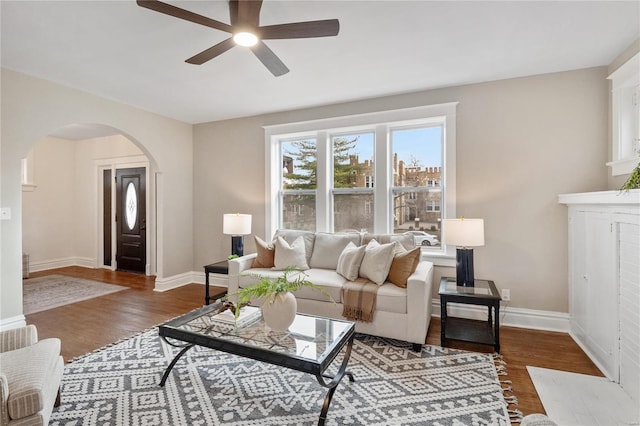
(171, 10)
(233, 11)
(211, 52)
(249, 12)
(324, 28)
(269, 59)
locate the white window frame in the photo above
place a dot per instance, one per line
(381, 123)
(625, 117)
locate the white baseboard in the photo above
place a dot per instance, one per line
(45, 265)
(12, 322)
(193, 277)
(511, 317)
(174, 281)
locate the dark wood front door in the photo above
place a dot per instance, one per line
(131, 226)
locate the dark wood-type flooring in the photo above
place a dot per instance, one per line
(91, 324)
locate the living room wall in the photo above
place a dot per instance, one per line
(520, 143)
(32, 108)
(65, 174)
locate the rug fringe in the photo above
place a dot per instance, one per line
(511, 401)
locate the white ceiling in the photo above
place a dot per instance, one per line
(120, 51)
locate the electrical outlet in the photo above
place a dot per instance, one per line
(506, 294)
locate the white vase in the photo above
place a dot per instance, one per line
(279, 312)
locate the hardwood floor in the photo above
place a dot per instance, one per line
(91, 324)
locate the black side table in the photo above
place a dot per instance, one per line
(484, 292)
(214, 268)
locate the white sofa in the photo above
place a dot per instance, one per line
(401, 313)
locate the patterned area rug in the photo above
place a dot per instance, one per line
(52, 291)
(118, 385)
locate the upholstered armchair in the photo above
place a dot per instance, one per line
(30, 376)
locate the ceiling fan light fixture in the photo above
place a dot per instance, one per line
(246, 39)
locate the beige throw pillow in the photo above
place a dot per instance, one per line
(377, 261)
(293, 255)
(403, 265)
(350, 260)
(265, 251)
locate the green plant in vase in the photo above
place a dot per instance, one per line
(279, 304)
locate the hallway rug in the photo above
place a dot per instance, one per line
(118, 385)
(52, 291)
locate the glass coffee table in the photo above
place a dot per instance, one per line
(310, 345)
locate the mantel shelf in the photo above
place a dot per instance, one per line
(631, 197)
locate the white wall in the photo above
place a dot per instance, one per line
(32, 108)
(65, 174)
(520, 143)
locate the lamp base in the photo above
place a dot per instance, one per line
(237, 245)
(464, 267)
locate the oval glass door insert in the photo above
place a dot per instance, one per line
(131, 203)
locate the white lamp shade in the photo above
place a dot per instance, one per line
(236, 224)
(464, 232)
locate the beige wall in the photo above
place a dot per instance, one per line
(65, 174)
(520, 143)
(31, 108)
(47, 232)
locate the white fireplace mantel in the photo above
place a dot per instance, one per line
(617, 197)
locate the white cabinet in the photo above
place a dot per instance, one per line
(604, 281)
(593, 302)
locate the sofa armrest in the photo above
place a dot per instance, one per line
(419, 287)
(236, 267)
(17, 338)
(4, 400)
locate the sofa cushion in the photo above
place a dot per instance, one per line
(403, 265)
(290, 235)
(377, 261)
(407, 241)
(327, 248)
(251, 276)
(350, 260)
(265, 254)
(392, 298)
(290, 256)
(328, 279)
(28, 370)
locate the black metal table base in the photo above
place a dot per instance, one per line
(331, 385)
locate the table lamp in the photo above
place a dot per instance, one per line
(464, 233)
(237, 225)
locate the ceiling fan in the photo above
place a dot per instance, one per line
(246, 30)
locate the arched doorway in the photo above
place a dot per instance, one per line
(66, 170)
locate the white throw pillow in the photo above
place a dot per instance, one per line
(377, 261)
(327, 249)
(350, 260)
(293, 255)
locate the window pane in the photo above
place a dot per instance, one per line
(353, 161)
(417, 164)
(299, 211)
(299, 162)
(131, 203)
(353, 212)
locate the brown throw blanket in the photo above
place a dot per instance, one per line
(359, 300)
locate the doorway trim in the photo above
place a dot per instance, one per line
(151, 213)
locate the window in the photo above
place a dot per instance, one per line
(417, 164)
(386, 172)
(298, 184)
(352, 188)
